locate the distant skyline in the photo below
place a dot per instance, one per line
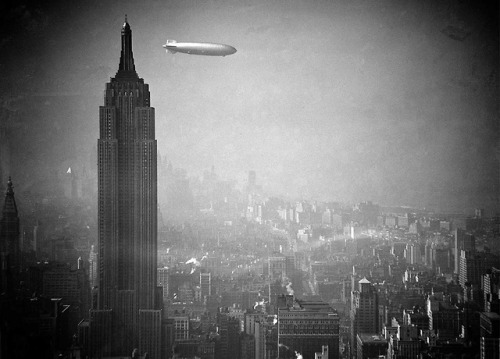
(390, 101)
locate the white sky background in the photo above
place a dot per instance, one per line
(335, 100)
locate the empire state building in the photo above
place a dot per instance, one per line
(128, 314)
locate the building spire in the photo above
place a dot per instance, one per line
(127, 57)
(9, 207)
(10, 188)
(9, 242)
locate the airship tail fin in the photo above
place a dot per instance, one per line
(170, 45)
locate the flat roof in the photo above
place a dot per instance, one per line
(372, 338)
(491, 315)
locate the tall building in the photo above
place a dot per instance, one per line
(490, 285)
(229, 331)
(205, 285)
(277, 266)
(127, 213)
(247, 346)
(463, 241)
(163, 281)
(9, 240)
(489, 335)
(71, 285)
(364, 312)
(412, 253)
(473, 265)
(445, 319)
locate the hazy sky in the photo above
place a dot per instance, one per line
(390, 101)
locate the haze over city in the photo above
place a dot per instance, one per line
(390, 101)
(291, 180)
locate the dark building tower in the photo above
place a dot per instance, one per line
(364, 312)
(127, 217)
(9, 240)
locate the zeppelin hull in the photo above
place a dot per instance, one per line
(199, 48)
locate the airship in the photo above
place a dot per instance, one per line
(199, 48)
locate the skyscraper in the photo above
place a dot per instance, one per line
(205, 285)
(9, 241)
(364, 312)
(463, 241)
(127, 214)
(163, 275)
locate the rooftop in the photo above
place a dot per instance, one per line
(311, 306)
(491, 315)
(371, 338)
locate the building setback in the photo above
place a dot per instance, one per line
(128, 302)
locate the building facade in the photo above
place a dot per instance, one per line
(205, 284)
(489, 335)
(163, 281)
(371, 346)
(127, 212)
(364, 312)
(305, 327)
